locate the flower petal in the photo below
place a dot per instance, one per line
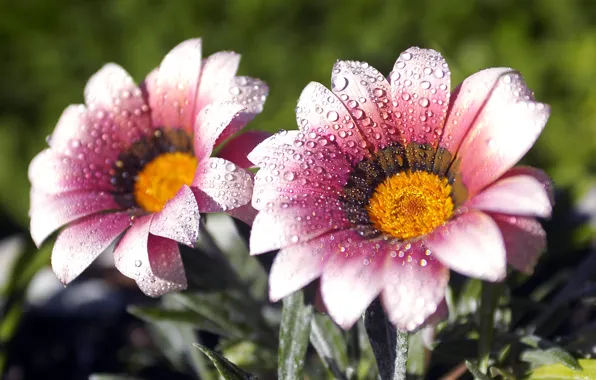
(245, 213)
(415, 284)
(166, 272)
(290, 222)
(366, 94)
(112, 93)
(290, 166)
(249, 92)
(321, 114)
(210, 123)
(172, 91)
(472, 245)
(524, 238)
(224, 182)
(217, 72)
(467, 100)
(520, 195)
(420, 88)
(87, 136)
(51, 211)
(502, 132)
(55, 173)
(154, 262)
(538, 174)
(296, 266)
(352, 277)
(78, 245)
(238, 148)
(179, 218)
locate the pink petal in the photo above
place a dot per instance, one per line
(88, 136)
(366, 94)
(51, 211)
(210, 123)
(218, 70)
(467, 100)
(166, 272)
(415, 284)
(78, 245)
(113, 93)
(179, 219)
(320, 113)
(296, 266)
(472, 245)
(290, 222)
(130, 254)
(289, 165)
(224, 182)
(538, 174)
(501, 133)
(54, 173)
(518, 195)
(352, 277)
(245, 213)
(251, 93)
(238, 148)
(420, 85)
(173, 91)
(524, 238)
(154, 262)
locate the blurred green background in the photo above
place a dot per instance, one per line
(50, 48)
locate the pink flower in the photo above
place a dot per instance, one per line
(136, 161)
(390, 182)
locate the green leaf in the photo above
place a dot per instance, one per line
(229, 311)
(416, 364)
(294, 335)
(506, 375)
(545, 353)
(188, 317)
(227, 369)
(473, 368)
(330, 344)
(560, 372)
(249, 355)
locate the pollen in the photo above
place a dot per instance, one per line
(410, 204)
(160, 179)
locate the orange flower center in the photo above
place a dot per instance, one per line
(160, 179)
(410, 204)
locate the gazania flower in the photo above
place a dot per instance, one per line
(135, 161)
(391, 182)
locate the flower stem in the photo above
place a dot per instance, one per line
(488, 304)
(389, 344)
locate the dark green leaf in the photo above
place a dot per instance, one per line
(226, 369)
(473, 368)
(560, 372)
(293, 337)
(188, 317)
(389, 344)
(330, 344)
(545, 352)
(506, 375)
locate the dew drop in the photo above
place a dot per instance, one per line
(339, 83)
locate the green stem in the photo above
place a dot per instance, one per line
(390, 345)
(488, 304)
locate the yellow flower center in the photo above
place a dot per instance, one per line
(160, 179)
(410, 204)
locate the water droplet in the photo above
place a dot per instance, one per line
(339, 83)
(406, 56)
(138, 263)
(423, 102)
(425, 85)
(332, 116)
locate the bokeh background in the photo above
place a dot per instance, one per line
(50, 48)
